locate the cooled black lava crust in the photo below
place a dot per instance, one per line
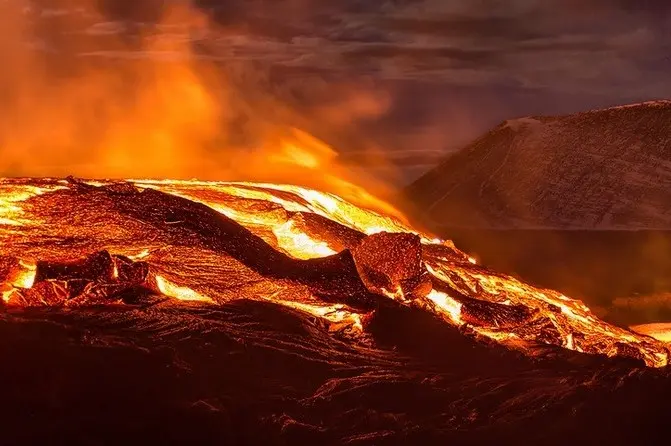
(255, 373)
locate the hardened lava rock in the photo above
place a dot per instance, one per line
(95, 279)
(392, 262)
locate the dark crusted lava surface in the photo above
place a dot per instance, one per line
(256, 373)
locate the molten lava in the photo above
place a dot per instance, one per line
(72, 243)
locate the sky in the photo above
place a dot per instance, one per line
(418, 79)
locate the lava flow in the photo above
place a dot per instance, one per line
(70, 243)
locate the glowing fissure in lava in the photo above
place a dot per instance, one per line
(339, 315)
(182, 293)
(660, 331)
(339, 210)
(23, 278)
(397, 294)
(11, 199)
(446, 306)
(306, 200)
(463, 294)
(299, 244)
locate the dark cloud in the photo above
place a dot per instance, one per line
(427, 55)
(459, 25)
(599, 46)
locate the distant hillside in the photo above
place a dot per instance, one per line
(606, 169)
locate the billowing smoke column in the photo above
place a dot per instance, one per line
(120, 89)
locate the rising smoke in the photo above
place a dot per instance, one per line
(120, 89)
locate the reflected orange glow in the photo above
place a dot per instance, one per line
(659, 331)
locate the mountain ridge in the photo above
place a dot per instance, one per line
(598, 169)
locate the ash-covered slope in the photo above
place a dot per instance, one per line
(603, 169)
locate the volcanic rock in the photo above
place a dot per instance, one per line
(98, 266)
(392, 263)
(478, 312)
(339, 237)
(7, 266)
(50, 293)
(95, 279)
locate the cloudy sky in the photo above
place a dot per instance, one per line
(427, 76)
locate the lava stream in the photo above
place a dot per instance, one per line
(71, 242)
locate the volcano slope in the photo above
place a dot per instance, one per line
(603, 169)
(239, 313)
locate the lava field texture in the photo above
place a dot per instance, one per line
(242, 313)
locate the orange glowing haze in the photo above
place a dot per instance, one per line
(158, 110)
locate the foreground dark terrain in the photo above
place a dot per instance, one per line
(238, 313)
(252, 373)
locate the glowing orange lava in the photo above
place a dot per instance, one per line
(464, 295)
